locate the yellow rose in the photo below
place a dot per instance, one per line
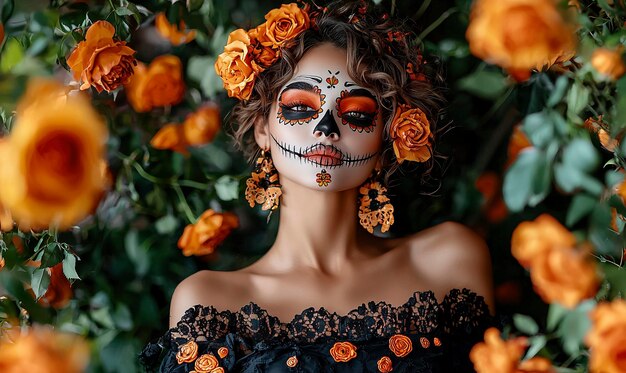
(101, 62)
(607, 337)
(159, 84)
(236, 66)
(519, 34)
(608, 62)
(177, 35)
(410, 132)
(52, 162)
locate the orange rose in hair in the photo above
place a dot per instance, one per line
(159, 84)
(343, 352)
(101, 62)
(41, 349)
(495, 355)
(177, 35)
(410, 132)
(284, 24)
(236, 67)
(519, 34)
(199, 128)
(59, 291)
(607, 337)
(53, 159)
(609, 62)
(533, 239)
(207, 233)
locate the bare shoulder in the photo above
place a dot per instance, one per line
(206, 288)
(453, 256)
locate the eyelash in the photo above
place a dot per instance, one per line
(294, 104)
(364, 122)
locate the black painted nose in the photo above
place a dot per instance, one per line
(327, 126)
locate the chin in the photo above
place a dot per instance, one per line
(321, 178)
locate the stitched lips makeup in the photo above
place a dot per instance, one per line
(322, 155)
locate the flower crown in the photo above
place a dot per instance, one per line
(248, 53)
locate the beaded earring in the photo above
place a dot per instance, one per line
(374, 206)
(263, 187)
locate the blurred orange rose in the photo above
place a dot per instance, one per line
(2, 263)
(101, 62)
(410, 132)
(6, 221)
(532, 239)
(607, 337)
(207, 233)
(495, 355)
(493, 206)
(609, 62)
(517, 142)
(52, 158)
(536, 365)
(1, 33)
(236, 66)
(199, 128)
(159, 84)
(59, 291)
(500, 33)
(41, 349)
(177, 35)
(564, 275)
(285, 23)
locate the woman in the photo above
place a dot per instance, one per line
(333, 99)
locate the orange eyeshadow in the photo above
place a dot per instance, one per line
(358, 103)
(310, 99)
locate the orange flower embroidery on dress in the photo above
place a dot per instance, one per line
(400, 345)
(292, 362)
(424, 342)
(222, 352)
(384, 364)
(343, 352)
(187, 352)
(206, 363)
(218, 370)
(323, 178)
(437, 342)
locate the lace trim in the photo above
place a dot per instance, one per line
(421, 313)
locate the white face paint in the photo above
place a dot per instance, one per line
(325, 130)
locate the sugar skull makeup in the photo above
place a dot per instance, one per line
(325, 131)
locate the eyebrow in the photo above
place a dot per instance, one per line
(349, 84)
(300, 85)
(362, 92)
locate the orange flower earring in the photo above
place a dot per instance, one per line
(263, 187)
(374, 206)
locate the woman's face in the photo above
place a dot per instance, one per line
(324, 130)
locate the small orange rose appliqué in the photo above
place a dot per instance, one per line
(343, 352)
(218, 370)
(292, 362)
(187, 352)
(385, 365)
(206, 363)
(424, 342)
(437, 342)
(400, 345)
(222, 352)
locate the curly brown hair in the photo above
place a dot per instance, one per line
(378, 52)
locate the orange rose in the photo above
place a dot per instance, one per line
(261, 47)
(160, 84)
(410, 132)
(209, 231)
(53, 159)
(342, 352)
(489, 185)
(532, 239)
(42, 349)
(517, 142)
(498, 32)
(59, 291)
(400, 345)
(177, 35)
(222, 352)
(187, 352)
(607, 337)
(495, 355)
(6, 221)
(101, 62)
(206, 363)
(236, 67)
(284, 24)
(608, 62)
(536, 365)
(171, 136)
(384, 364)
(218, 370)
(292, 361)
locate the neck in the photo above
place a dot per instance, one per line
(317, 229)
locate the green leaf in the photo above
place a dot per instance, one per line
(485, 84)
(520, 179)
(166, 225)
(577, 99)
(616, 277)
(122, 317)
(69, 266)
(103, 317)
(52, 255)
(562, 83)
(39, 282)
(137, 252)
(536, 344)
(556, 313)
(582, 205)
(525, 324)
(581, 154)
(227, 188)
(539, 129)
(574, 327)
(12, 54)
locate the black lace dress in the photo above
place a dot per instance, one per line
(421, 335)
